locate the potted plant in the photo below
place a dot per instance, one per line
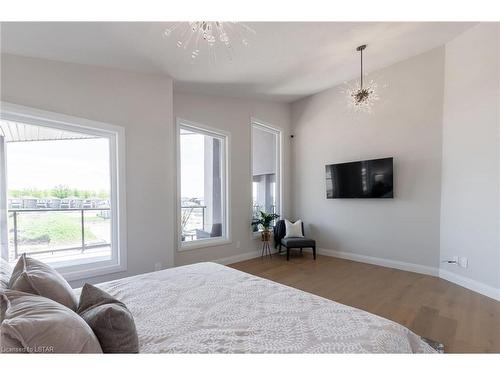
(264, 221)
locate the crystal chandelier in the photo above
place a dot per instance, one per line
(198, 35)
(361, 96)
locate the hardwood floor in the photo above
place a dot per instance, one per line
(464, 321)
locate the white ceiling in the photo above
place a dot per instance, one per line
(283, 61)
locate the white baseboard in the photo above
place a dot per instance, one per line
(473, 285)
(238, 257)
(465, 282)
(411, 267)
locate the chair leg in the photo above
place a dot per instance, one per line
(279, 248)
(287, 253)
(314, 252)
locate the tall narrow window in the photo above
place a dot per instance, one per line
(202, 185)
(266, 156)
(61, 195)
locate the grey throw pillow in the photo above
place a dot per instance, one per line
(35, 324)
(111, 321)
(35, 277)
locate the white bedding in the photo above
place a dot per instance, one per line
(209, 308)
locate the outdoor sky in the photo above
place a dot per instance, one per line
(84, 164)
(193, 166)
(80, 163)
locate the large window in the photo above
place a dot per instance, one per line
(266, 158)
(61, 196)
(203, 203)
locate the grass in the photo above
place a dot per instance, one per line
(53, 228)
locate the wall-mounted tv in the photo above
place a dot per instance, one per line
(360, 179)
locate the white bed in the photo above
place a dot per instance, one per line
(209, 308)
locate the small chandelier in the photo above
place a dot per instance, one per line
(198, 35)
(361, 96)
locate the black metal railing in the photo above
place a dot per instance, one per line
(83, 247)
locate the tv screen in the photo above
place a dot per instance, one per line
(360, 179)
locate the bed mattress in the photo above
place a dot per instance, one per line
(210, 308)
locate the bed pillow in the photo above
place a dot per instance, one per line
(293, 229)
(35, 324)
(111, 321)
(7, 344)
(5, 273)
(35, 277)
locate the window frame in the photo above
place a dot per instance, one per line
(116, 135)
(226, 196)
(278, 131)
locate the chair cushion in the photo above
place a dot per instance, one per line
(298, 242)
(293, 229)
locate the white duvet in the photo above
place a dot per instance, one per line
(209, 308)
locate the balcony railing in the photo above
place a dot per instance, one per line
(192, 218)
(16, 214)
(256, 208)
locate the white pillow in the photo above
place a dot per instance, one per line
(293, 229)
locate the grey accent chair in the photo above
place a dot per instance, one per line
(291, 242)
(215, 232)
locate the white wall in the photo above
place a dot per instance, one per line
(447, 170)
(471, 168)
(143, 105)
(233, 115)
(407, 125)
(140, 103)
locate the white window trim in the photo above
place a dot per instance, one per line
(116, 135)
(4, 233)
(254, 122)
(226, 157)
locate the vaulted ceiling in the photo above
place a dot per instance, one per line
(283, 61)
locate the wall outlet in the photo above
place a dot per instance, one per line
(453, 260)
(238, 244)
(463, 262)
(158, 266)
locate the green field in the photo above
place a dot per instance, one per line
(56, 229)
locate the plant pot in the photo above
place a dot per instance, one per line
(266, 235)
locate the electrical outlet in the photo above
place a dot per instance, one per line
(158, 266)
(238, 244)
(453, 260)
(463, 262)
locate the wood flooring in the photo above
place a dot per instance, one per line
(464, 321)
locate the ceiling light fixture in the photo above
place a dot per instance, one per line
(199, 35)
(361, 96)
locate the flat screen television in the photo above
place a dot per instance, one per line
(360, 179)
